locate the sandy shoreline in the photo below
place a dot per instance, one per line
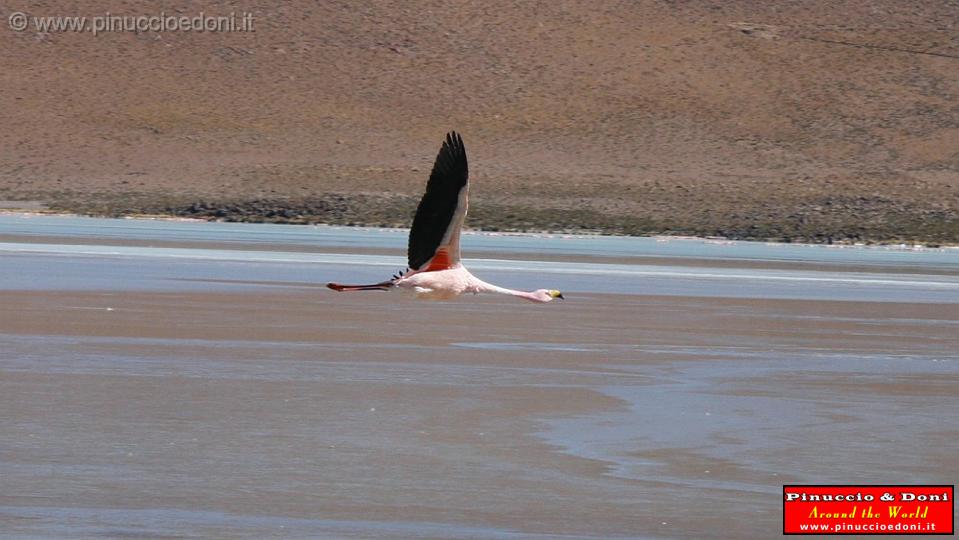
(888, 223)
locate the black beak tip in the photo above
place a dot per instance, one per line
(560, 296)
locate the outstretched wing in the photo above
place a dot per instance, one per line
(435, 235)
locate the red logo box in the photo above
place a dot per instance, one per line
(850, 509)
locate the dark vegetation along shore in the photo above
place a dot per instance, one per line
(812, 122)
(829, 220)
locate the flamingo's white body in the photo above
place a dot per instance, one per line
(435, 271)
(448, 284)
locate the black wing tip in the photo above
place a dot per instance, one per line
(455, 142)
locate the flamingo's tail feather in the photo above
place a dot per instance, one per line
(384, 286)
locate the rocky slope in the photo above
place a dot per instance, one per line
(814, 121)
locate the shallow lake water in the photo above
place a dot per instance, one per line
(194, 380)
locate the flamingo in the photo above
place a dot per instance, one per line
(435, 271)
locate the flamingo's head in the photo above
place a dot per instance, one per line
(546, 295)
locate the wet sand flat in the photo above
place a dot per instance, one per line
(194, 414)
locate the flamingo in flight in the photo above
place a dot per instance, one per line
(435, 271)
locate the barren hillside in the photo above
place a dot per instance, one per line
(799, 120)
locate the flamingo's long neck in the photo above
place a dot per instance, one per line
(482, 286)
